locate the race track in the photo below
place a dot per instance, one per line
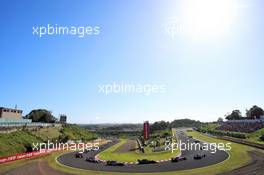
(210, 159)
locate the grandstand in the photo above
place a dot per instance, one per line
(12, 117)
(245, 126)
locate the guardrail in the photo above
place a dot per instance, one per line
(32, 154)
(256, 145)
(14, 124)
(25, 155)
(236, 140)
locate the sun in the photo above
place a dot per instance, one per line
(208, 18)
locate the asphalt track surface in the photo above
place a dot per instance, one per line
(210, 159)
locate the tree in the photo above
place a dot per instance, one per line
(235, 115)
(254, 113)
(185, 123)
(41, 115)
(220, 119)
(161, 125)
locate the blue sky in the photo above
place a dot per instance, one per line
(208, 71)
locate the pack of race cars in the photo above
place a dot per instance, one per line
(140, 161)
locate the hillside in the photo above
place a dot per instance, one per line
(75, 132)
(21, 141)
(17, 142)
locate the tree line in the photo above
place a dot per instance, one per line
(163, 125)
(254, 112)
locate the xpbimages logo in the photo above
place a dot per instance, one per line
(57, 146)
(57, 30)
(192, 146)
(131, 88)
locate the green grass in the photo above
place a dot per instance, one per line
(16, 142)
(133, 156)
(255, 136)
(51, 133)
(209, 126)
(238, 154)
(75, 132)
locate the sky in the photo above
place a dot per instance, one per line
(208, 54)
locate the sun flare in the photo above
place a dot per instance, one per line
(207, 18)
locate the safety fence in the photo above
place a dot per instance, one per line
(25, 155)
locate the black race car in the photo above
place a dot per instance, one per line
(198, 157)
(146, 161)
(196, 141)
(177, 159)
(92, 159)
(114, 163)
(79, 155)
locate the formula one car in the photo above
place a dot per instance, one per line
(92, 160)
(198, 157)
(177, 159)
(114, 163)
(146, 161)
(79, 155)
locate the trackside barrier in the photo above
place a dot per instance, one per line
(236, 140)
(257, 145)
(25, 155)
(29, 155)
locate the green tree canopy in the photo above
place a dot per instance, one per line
(235, 115)
(41, 115)
(254, 112)
(160, 125)
(185, 123)
(220, 119)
